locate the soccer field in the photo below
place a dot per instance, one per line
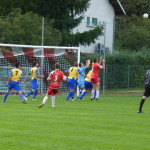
(112, 123)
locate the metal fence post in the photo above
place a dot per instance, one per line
(128, 76)
(104, 57)
(42, 58)
(104, 75)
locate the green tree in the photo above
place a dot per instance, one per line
(136, 7)
(133, 31)
(26, 28)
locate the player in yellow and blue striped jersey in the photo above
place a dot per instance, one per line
(34, 72)
(14, 82)
(72, 79)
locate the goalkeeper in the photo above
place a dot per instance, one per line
(81, 83)
(146, 92)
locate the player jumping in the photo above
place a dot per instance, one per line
(96, 66)
(81, 83)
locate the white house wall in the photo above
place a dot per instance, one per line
(104, 12)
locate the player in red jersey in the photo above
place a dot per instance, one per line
(96, 66)
(56, 77)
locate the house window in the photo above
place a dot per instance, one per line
(88, 21)
(94, 21)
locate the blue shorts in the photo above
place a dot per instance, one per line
(76, 81)
(14, 85)
(71, 83)
(34, 84)
(81, 84)
(88, 85)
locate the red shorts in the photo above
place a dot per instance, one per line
(51, 91)
(95, 80)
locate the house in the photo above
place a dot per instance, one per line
(104, 12)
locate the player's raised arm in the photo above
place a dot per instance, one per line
(88, 63)
(100, 60)
(103, 63)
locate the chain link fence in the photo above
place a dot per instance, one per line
(123, 79)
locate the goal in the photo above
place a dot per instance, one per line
(47, 56)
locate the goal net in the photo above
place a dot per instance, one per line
(47, 56)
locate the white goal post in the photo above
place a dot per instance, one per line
(47, 56)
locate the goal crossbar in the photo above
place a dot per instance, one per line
(35, 46)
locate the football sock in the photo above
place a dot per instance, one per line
(92, 94)
(141, 104)
(21, 96)
(31, 92)
(97, 94)
(35, 93)
(70, 94)
(80, 93)
(53, 101)
(45, 99)
(5, 97)
(83, 94)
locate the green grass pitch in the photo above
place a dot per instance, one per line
(112, 123)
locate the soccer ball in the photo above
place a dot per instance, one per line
(145, 15)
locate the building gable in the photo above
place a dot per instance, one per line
(119, 10)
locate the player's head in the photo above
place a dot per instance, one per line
(76, 64)
(35, 64)
(57, 66)
(95, 60)
(81, 65)
(17, 64)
